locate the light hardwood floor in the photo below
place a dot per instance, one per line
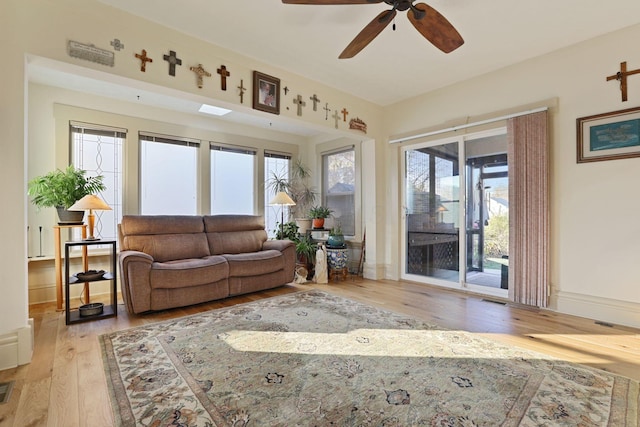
(65, 386)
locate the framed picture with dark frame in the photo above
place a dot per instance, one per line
(609, 136)
(266, 93)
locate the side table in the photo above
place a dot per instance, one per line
(73, 315)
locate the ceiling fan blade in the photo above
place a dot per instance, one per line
(368, 33)
(331, 1)
(435, 28)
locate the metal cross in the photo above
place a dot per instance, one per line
(143, 60)
(300, 104)
(223, 76)
(117, 45)
(326, 111)
(199, 73)
(345, 113)
(315, 100)
(173, 60)
(286, 90)
(242, 89)
(336, 116)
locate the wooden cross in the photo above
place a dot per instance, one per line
(300, 104)
(326, 111)
(242, 89)
(173, 60)
(315, 100)
(336, 117)
(286, 90)
(199, 73)
(621, 76)
(345, 113)
(143, 60)
(223, 76)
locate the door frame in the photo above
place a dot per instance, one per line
(462, 236)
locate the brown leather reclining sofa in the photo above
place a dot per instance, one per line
(172, 261)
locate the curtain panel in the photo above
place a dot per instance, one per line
(528, 151)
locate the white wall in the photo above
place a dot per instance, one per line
(595, 229)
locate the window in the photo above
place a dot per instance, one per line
(339, 185)
(168, 175)
(275, 165)
(98, 150)
(232, 180)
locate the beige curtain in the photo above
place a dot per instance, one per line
(528, 209)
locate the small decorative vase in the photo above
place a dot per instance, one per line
(335, 241)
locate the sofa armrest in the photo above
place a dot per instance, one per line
(135, 269)
(278, 245)
(288, 249)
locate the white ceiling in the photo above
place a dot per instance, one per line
(397, 65)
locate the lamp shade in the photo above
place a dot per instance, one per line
(90, 201)
(283, 199)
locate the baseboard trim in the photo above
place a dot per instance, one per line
(597, 308)
(16, 348)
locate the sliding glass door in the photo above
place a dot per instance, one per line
(432, 201)
(456, 207)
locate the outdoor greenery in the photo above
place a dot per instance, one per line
(62, 188)
(496, 236)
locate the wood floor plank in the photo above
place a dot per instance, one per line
(65, 384)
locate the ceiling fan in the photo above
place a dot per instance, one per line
(428, 21)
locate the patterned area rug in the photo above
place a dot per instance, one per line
(314, 359)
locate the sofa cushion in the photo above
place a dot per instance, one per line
(254, 263)
(164, 237)
(188, 272)
(168, 247)
(234, 234)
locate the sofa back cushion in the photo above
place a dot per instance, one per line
(234, 234)
(164, 237)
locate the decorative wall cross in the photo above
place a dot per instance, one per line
(345, 113)
(621, 76)
(326, 111)
(336, 117)
(200, 72)
(143, 60)
(286, 90)
(117, 44)
(242, 89)
(315, 100)
(223, 77)
(173, 60)
(298, 100)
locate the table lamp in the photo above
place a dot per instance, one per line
(282, 199)
(90, 202)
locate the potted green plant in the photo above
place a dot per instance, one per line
(62, 188)
(295, 184)
(318, 215)
(306, 252)
(336, 238)
(288, 230)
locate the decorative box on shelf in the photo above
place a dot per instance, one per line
(319, 234)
